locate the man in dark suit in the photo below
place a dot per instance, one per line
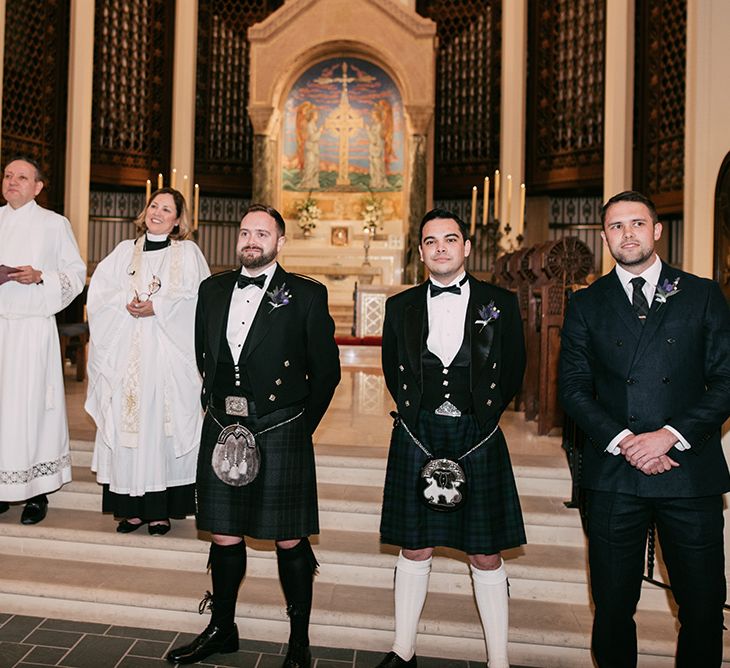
(645, 372)
(265, 348)
(453, 359)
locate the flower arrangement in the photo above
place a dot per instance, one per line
(308, 214)
(487, 314)
(666, 290)
(279, 296)
(372, 213)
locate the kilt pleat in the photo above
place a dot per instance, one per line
(281, 503)
(491, 519)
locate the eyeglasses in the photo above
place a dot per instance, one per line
(152, 289)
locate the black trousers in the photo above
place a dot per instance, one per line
(690, 533)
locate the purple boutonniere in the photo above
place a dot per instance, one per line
(279, 297)
(666, 290)
(487, 314)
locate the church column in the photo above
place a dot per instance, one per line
(78, 126)
(618, 103)
(265, 122)
(514, 93)
(2, 62)
(419, 119)
(182, 154)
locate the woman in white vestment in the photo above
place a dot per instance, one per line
(144, 386)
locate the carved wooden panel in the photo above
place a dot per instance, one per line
(565, 94)
(132, 91)
(223, 132)
(35, 89)
(468, 76)
(660, 77)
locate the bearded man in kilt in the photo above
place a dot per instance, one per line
(453, 359)
(266, 350)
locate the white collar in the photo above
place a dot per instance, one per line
(650, 275)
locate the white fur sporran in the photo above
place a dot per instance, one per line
(236, 458)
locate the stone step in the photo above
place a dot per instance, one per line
(537, 572)
(358, 507)
(545, 634)
(535, 474)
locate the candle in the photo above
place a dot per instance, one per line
(485, 208)
(521, 227)
(185, 192)
(497, 212)
(509, 199)
(148, 191)
(159, 181)
(173, 178)
(473, 225)
(196, 206)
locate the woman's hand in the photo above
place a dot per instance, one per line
(140, 309)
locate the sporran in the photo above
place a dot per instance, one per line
(236, 458)
(442, 485)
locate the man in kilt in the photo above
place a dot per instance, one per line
(453, 359)
(266, 350)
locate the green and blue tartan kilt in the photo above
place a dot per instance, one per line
(281, 502)
(491, 519)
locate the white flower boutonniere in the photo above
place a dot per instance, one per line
(487, 314)
(280, 296)
(666, 290)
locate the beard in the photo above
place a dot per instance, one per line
(256, 261)
(629, 260)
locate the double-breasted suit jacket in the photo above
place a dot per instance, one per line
(497, 350)
(616, 374)
(290, 354)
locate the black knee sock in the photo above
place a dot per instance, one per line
(227, 567)
(296, 573)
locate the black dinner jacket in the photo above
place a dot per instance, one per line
(290, 354)
(497, 350)
(616, 374)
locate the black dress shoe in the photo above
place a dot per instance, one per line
(392, 660)
(211, 641)
(34, 512)
(298, 656)
(4, 507)
(127, 527)
(158, 529)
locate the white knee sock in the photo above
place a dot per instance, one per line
(490, 591)
(411, 587)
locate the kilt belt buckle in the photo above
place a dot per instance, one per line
(237, 406)
(448, 409)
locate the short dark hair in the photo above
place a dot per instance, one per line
(433, 214)
(630, 196)
(278, 219)
(39, 175)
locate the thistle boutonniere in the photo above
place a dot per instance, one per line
(279, 297)
(666, 290)
(487, 314)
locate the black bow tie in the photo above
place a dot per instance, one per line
(436, 290)
(258, 281)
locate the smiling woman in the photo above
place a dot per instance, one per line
(143, 383)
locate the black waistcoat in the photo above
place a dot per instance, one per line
(450, 383)
(231, 378)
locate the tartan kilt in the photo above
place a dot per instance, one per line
(490, 520)
(281, 502)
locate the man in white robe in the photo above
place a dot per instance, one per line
(41, 272)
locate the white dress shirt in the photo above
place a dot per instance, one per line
(651, 278)
(446, 315)
(245, 303)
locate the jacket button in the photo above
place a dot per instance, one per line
(278, 381)
(619, 342)
(408, 403)
(493, 385)
(401, 367)
(489, 402)
(405, 387)
(633, 418)
(665, 380)
(671, 340)
(272, 397)
(630, 381)
(286, 362)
